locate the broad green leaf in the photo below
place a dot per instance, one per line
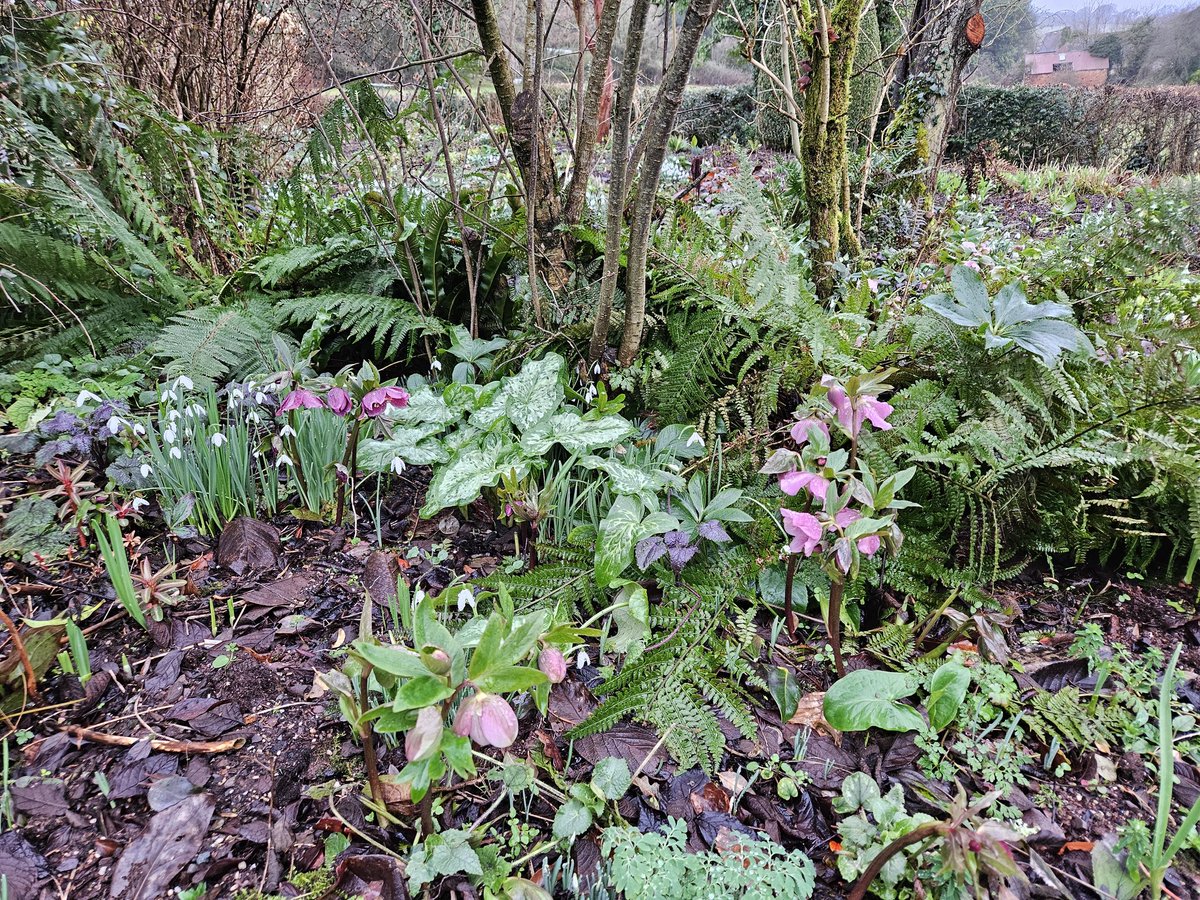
(646, 484)
(574, 433)
(470, 471)
(415, 446)
(1047, 339)
(427, 408)
(511, 678)
(947, 690)
(424, 690)
(858, 790)
(619, 531)
(398, 661)
(611, 777)
(448, 853)
(572, 820)
(527, 397)
(785, 690)
(869, 699)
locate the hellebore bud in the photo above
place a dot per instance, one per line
(553, 664)
(424, 737)
(436, 660)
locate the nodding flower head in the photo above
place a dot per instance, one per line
(376, 402)
(553, 664)
(339, 401)
(300, 399)
(487, 720)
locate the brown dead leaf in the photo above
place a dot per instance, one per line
(810, 712)
(1084, 846)
(710, 798)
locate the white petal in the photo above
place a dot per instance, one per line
(397, 465)
(139, 504)
(176, 453)
(185, 382)
(285, 460)
(113, 424)
(288, 431)
(85, 396)
(146, 470)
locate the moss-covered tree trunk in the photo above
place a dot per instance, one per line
(832, 35)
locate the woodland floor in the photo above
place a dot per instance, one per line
(85, 803)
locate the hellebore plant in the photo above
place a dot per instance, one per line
(844, 514)
(448, 692)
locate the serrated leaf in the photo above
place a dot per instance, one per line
(572, 820)
(611, 777)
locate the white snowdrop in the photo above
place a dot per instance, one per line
(139, 428)
(145, 470)
(113, 425)
(260, 397)
(436, 365)
(198, 411)
(139, 503)
(582, 659)
(465, 599)
(174, 415)
(695, 439)
(397, 465)
(176, 453)
(169, 435)
(285, 460)
(217, 439)
(85, 397)
(288, 431)
(184, 382)
(591, 394)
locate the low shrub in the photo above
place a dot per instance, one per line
(717, 115)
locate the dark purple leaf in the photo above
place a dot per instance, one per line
(712, 531)
(649, 550)
(679, 556)
(172, 839)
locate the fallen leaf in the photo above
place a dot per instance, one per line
(23, 867)
(810, 712)
(170, 841)
(1085, 846)
(733, 782)
(248, 545)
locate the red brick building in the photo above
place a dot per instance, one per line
(1053, 64)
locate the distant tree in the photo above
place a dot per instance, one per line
(1011, 33)
(1110, 47)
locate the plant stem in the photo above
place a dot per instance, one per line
(833, 623)
(789, 613)
(368, 738)
(929, 829)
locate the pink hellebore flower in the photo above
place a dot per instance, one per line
(377, 401)
(792, 483)
(339, 401)
(553, 664)
(805, 529)
(869, 545)
(300, 399)
(851, 413)
(424, 737)
(487, 719)
(846, 516)
(803, 429)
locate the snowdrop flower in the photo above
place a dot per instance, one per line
(260, 397)
(582, 659)
(139, 428)
(174, 415)
(436, 365)
(254, 418)
(169, 435)
(165, 396)
(176, 453)
(145, 470)
(85, 396)
(139, 503)
(465, 599)
(695, 438)
(236, 395)
(113, 425)
(591, 394)
(285, 460)
(596, 368)
(217, 439)
(198, 411)
(397, 465)
(184, 382)
(287, 431)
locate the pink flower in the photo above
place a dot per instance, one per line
(971, 264)
(487, 719)
(805, 529)
(845, 516)
(851, 413)
(377, 401)
(802, 430)
(300, 399)
(424, 737)
(869, 545)
(553, 664)
(792, 483)
(339, 401)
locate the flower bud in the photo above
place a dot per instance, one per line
(553, 664)
(424, 737)
(436, 660)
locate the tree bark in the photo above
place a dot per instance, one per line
(588, 132)
(618, 184)
(834, 37)
(933, 69)
(654, 141)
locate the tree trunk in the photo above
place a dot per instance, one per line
(834, 36)
(618, 184)
(590, 115)
(654, 143)
(933, 71)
